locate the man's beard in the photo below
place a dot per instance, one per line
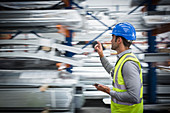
(114, 47)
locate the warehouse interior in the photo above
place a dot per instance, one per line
(48, 63)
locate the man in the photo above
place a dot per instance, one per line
(127, 92)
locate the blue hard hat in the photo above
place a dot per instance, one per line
(125, 30)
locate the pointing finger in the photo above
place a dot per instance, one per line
(98, 42)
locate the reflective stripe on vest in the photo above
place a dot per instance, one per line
(125, 103)
(121, 87)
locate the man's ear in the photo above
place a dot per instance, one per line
(119, 40)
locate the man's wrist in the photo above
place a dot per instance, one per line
(108, 90)
(101, 55)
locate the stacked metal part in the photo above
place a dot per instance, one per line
(30, 81)
(38, 20)
(156, 84)
(39, 91)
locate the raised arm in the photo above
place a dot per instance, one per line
(108, 67)
(99, 49)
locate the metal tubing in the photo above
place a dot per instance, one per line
(94, 39)
(132, 12)
(36, 34)
(68, 43)
(45, 56)
(152, 76)
(138, 48)
(69, 40)
(109, 28)
(19, 32)
(77, 5)
(152, 82)
(98, 20)
(137, 7)
(91, 15)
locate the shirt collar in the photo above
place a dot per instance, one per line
(124, 52)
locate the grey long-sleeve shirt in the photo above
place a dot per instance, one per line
(131, 76)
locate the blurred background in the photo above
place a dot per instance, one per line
(47, 59)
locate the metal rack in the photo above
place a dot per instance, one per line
(32, 90)
(38, 20)
(37, 90)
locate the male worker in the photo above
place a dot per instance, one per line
(127, 92)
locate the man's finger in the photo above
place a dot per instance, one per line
(100, 85)
(99, 44)
(96, 46)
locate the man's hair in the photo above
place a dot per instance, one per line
(125, 42)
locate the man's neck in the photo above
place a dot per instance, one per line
(124, 52)
(121, 49)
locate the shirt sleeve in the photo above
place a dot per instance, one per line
(131, 75)
(105, 63)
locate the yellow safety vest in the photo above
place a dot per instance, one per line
(119, 86)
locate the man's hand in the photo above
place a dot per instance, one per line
(99, 49)
(103, 88)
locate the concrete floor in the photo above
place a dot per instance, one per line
(94, 106)
(97, 106)
(107, 110)
(93, 110)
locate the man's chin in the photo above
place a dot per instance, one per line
(112, 49)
